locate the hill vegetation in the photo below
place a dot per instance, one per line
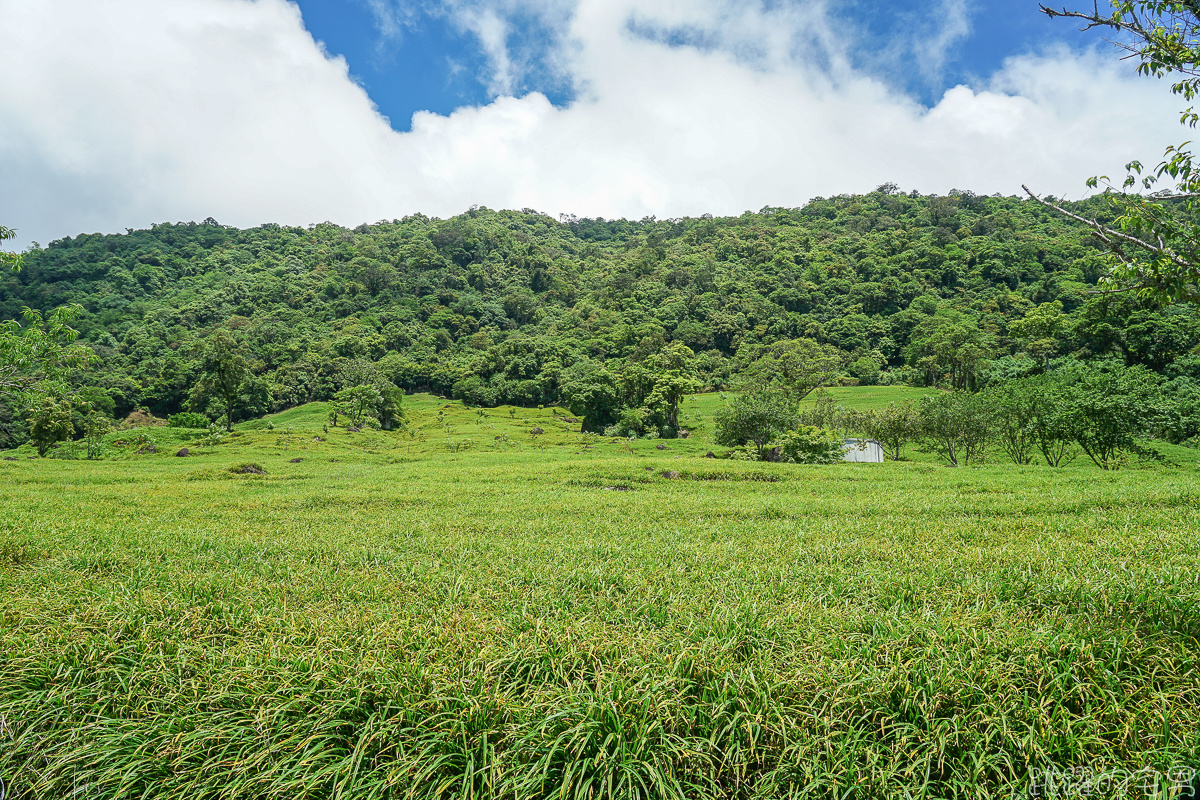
(507, 307)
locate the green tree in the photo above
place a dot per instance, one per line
(674, 379)
(893, 427)
(227, 378)
(95, 426)
(1154, 243)
(1014, 407)
(796, 366)
(1041, 330)
(359, 402)
(826, 413)
(1047, 427)
(1109, 409)
(391, 409)
(50, 423)
(595, 396)
(955, 425)
(950, 347)
(36, 358)
(755, 417)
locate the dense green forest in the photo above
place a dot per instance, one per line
(516, 307)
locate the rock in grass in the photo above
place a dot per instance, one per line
(671, 475)
(248, 469)
(296, 460)
(660, 447)
(183, 452)
(536, 432)
(710, 454)
(148, 450)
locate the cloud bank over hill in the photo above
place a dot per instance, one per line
(128, 112)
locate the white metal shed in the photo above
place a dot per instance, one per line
(865, 450)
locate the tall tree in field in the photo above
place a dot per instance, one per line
(795, 366)
(359, 402)
(674, 379)
(1111, 409)
(227, 375)
(1155, 240)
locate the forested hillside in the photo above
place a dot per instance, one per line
(516, 307)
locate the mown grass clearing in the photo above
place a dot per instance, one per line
(389, 617)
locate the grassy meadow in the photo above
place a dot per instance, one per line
(468, 610)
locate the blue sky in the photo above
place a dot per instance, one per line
(131, 112)
(427, 62)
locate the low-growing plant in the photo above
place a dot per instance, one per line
(189, 419)
(141, 418)
(808, 444)
(66, 451)
(214, 436)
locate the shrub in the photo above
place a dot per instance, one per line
(50, 423)
(755, 418)
(188, 419)
(809, 444)
(67, 451)
(141, 418)
(629, 424)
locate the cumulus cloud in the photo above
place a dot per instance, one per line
(126, 112)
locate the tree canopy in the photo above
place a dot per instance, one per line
(36, 358)
(8, 260)
(1155, 238)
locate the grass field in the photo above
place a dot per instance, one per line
(475, 611)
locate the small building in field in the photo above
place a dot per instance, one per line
(865, 450)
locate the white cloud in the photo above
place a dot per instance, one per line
(952, 25)
(118, 113)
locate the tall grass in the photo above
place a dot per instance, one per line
(388, 618)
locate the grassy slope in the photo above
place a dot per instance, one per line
(390, 616)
